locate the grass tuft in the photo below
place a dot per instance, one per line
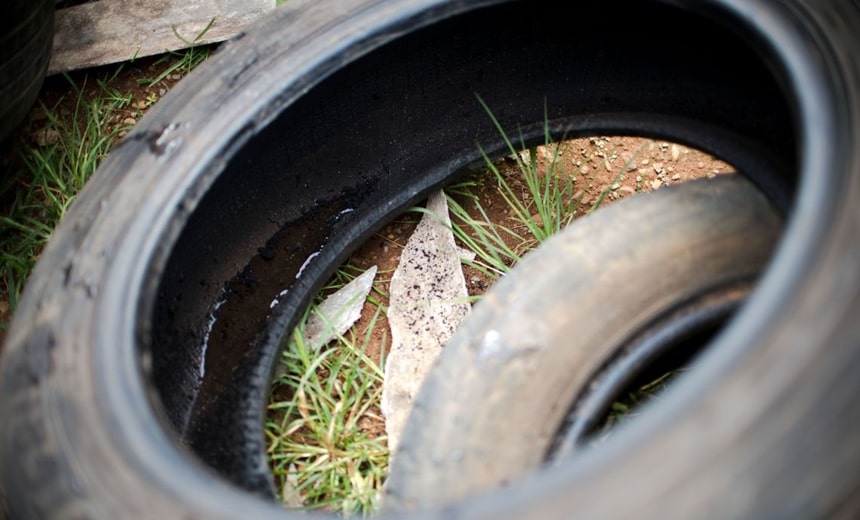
(57, 153)
(324, 429)
(178, 62)
(542, 200)
(52, 175)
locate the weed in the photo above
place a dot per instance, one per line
(551, 201)
(52, 175)
(61, 149)
(324, 433)
(179, 62)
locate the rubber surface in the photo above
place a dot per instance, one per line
(534, 343)
(111, 407)
(26, 36)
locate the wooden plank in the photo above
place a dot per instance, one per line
(110, 31)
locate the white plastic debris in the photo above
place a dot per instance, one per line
(339, 311)
(428, 302)
(335, 315)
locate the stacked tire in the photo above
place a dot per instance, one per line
(26, 37)
(308, 133)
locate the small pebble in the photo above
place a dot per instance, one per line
(47, 137)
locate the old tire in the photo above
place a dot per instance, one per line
(26, 36)
(538, 338)
(248, 167)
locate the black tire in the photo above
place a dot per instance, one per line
(26, 37)
(535, 342)
(368, 107)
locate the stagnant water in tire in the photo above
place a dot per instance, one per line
(325, 431)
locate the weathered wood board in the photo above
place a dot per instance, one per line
(110, 31)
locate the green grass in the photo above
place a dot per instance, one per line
(183, 61)
(323, 424)
(544, 201)
(59, 150)
(52, 176)
(178, 62)
(549, 204)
